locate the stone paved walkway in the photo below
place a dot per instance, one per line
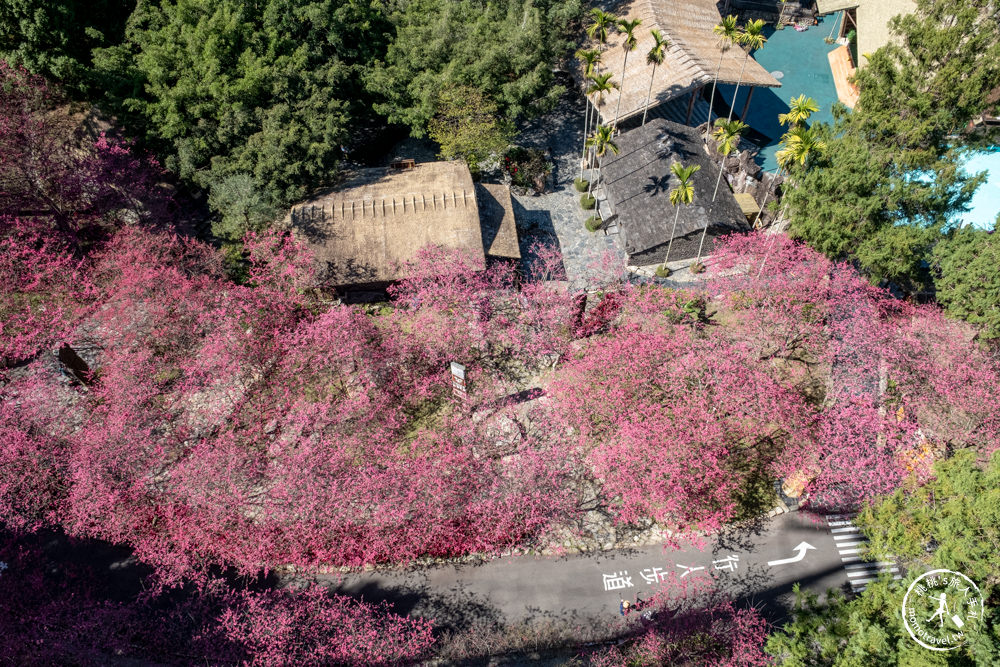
(556, 217)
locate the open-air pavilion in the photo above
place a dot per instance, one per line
(690, 63)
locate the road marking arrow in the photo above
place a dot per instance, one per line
(802, 548)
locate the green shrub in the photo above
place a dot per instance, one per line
(581, 184)
(663, 272)
(593, 223)
(587, 202)
(527, 167)
(697, 267)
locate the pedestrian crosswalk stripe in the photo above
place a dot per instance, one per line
(850, 542)
(870, 570)
(855, 543)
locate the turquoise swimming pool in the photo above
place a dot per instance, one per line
(801, 59)
(985, 205)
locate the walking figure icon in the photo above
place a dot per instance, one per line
(941, 610)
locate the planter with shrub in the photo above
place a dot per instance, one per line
(663, 272)
(581, 184)
(587, 202)
(697, 267)
(593, 223)
(527, 168)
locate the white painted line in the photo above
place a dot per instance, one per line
(853, 543)
(855, 582)
(881, 563)
(850, 559)
(844, 552)
(839, 523)
(851, 536)
(861, 573)
(835, 517)
(849, 529)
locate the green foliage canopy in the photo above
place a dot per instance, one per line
(54, 38)
(467, 126)
(505, 48)
(265, 89)
(966, 277)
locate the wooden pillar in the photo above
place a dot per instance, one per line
(746, 105)
(694, 96)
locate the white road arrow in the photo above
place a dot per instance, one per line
(802, 548)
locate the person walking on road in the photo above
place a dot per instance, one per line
(625, 607)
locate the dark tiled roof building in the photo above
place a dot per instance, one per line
(637, 184)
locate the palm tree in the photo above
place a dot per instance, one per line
(799, 110)
(654, 57)
(600, 85)
(628, 27)
(602, 142)
(728, 33)
(601, 24)
(682, 194)
(799, 145)
(591, 60)
(727, 134)
(751, 39)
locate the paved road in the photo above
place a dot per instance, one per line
(585, 587)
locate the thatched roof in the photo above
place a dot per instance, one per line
(638, 181)
(873, 20)
(369, 227)
(496, 213)
(691, 60)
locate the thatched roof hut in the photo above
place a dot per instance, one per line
(691, 59)
(366, 230)
(637, 184)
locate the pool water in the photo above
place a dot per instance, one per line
(801, 57)
(985, 204)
